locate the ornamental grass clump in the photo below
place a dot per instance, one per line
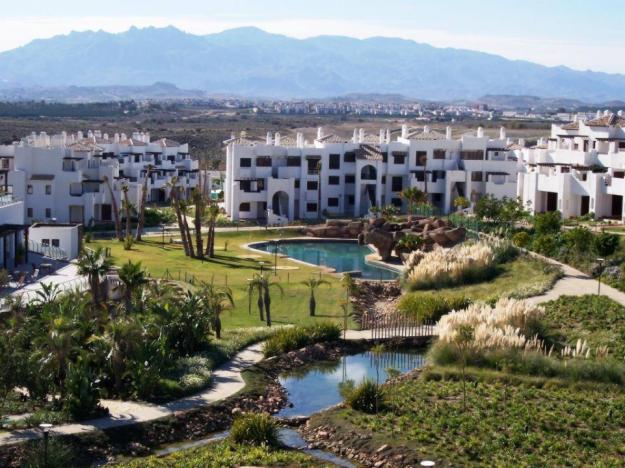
(509, 324)
(254, 429)
(464, 263)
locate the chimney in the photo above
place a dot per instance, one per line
(502, 133)
(606, 113)
(620, 113)
(355, 137)
(598, 114)
(426, 129)
(269, 138)
(79, 135)
(508, 141)
(319, 133)
(522, 142)
(361, 135)
(277, 140)
(106, 136)
(300, 140)
(448, 132)
(382, 135)
(388, 135)
(480, 132)
(116, 138)
(404, 131)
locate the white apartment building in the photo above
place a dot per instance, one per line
(63, 178)
(580, 170)
(282, 178)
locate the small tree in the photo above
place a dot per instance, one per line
(414, 197)
(377, 352)
(133, 277)
(118, 226)
(548, 223)
(94, 264)
(605, 244)
(263, 285)
(312, 284)
(463, 340)
(144, 199)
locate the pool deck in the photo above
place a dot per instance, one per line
(372, 259)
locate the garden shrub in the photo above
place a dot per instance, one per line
(82, 392)
(409, 243)
(605, 244)
(522, 239)
(292, 338)
(546, 244)
(366, 396)
(254, 429)
(430, 307)
(57, 454)
(548, 223)
(578, 239)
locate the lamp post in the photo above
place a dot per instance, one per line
(45, 428)
(600, 260)
(275, 257)
(163, 233)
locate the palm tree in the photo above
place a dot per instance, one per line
(48, 293)
(313, 283)
(213, 213)
(94, 264)
(129, 209)
(414, 197)
(216, 298)
(133, 277)
(118, 226)
(56, 346)
(175, 201)
(263, 285)
(200, 207)
(255, 287)
(144, 198)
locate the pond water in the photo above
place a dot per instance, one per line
(342, 256)
(317, 387)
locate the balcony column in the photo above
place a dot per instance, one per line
(357, 189)
(378, 186)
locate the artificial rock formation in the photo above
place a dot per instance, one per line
(337, 228)
(384, 235)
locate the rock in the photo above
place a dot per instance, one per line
(382, 448)
(379, 463)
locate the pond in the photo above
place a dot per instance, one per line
(317, 387)
(342, 256)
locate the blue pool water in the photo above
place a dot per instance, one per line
(342, 256)
(315, 388)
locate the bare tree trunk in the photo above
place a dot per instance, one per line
(144, 197)
(115, 208)
(179, 217)
(197, 221)
(127, 209)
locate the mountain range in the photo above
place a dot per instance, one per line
(251, 62)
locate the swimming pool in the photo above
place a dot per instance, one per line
(342, 256)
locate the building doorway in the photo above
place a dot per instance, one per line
(617, 206)
(585, 208)
(280, 204)
(552, 201)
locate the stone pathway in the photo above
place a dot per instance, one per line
(575, 283)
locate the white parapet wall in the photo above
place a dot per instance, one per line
(66, 237)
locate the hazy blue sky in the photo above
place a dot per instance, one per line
(581, 34)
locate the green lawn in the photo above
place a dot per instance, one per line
(519, 423)
(227, 268)
(597, 319)
(522, 277)
(224, 454)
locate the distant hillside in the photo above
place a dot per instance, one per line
(251, 62)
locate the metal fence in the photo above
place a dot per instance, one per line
(396, 326)
(55, 253)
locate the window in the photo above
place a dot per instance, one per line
(396, 202)
(333, 202)
(420, 175)
(399, 158)
(29, 212)
(438, 175)
(476, 176)
(5, 164)
(335, 161)
(383, 180)
(48, 212)
(260, 185)
(245, 207)
(56, 243)
(334, 180)
(29, 189)
(311, 207)
(477, 155)
(397, 184)
(349, 157)
(293, 161)
(245, 185)
(311, 185)
(385, 156)
(45, 242)
(421, 158)
(350, 179)
(137, 158)
(621, 145)
(296, 183)
(48, 189)
(350, 199)
(245, 162)
(263, 161)
(439, 154)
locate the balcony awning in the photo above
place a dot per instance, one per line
(42, 177)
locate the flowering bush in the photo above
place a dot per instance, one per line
(463, 263)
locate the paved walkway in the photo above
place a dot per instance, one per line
(575, 283)
(226, 381)
(67, 279)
